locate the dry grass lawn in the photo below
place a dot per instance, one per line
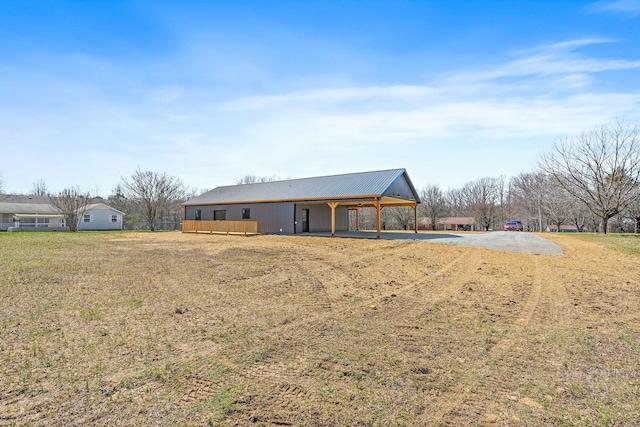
(183, 329)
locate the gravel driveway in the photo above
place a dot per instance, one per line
(506, 240)
(513, 241)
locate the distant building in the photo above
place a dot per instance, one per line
(36, 213)
(455, 223)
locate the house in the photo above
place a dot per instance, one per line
(457, 223)
(36, 213)
(99, 216)
(307, 205)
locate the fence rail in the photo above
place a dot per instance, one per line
(225, 227)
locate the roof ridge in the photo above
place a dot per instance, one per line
(315, 177)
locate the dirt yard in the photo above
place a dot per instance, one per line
(183, 329)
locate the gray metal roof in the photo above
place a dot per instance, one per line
(26, 204)
(353, 185)
(12, 203)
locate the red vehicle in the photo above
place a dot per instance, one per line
(513, 226)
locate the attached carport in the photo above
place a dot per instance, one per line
(378, 202)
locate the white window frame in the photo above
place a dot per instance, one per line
(114, 218)
(84, 218)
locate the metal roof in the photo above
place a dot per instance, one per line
(12, 203)
(333, 187)
(26, 204)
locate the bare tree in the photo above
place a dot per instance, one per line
(558, 206)
(481, 198)
(254, 179)
(600, 167)
(153, 195)
(455, 204)
(580, 214)
(39, 188)
(1, 184)
(368, 218)
(398, 217)
(72, 203)
(633, 213)
(502, 196)
(433, 204)
(526, 191)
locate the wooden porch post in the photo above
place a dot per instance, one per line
(333, 206)
(415, 216)
(376, 203)
(357, 219)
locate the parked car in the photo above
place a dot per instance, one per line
(513, 226)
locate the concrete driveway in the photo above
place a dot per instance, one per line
(513, 241)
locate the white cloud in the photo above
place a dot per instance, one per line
(519, 106)
(461, 126)
(555, 59)
(631, 7)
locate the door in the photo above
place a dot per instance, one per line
(305, 220)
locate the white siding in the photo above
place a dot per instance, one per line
(101, 220)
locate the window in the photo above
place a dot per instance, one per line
(87, 218)
(114, 218)
(246, 213)
(219, 215)
(198, 214)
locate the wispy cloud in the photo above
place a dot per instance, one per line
(555, 59)
(472, 117)
(539, 72)
(629, 7)
(544, 93)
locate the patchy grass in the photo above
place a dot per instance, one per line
(623, 242)
(172, 329)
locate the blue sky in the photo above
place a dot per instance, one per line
(210, 91)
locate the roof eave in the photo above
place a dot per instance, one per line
(293, 200)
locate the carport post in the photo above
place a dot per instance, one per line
(376, 203)
(415, 217)
(333, 206)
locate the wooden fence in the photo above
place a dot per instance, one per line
(225, 227)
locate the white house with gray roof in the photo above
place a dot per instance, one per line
(36, 213)
(307, 205)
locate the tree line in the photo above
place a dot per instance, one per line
(590, 181)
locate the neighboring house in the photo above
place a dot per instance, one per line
(101, 216)
(35, 213)
(457, 223)
(306, 205)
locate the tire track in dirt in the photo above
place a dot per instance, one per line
(546, 300)
(321, 274)
(439, 286)
(279, 381)
(337, 269)
(441, 271)
(455, 399)
(198, 390)
(526, 315)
